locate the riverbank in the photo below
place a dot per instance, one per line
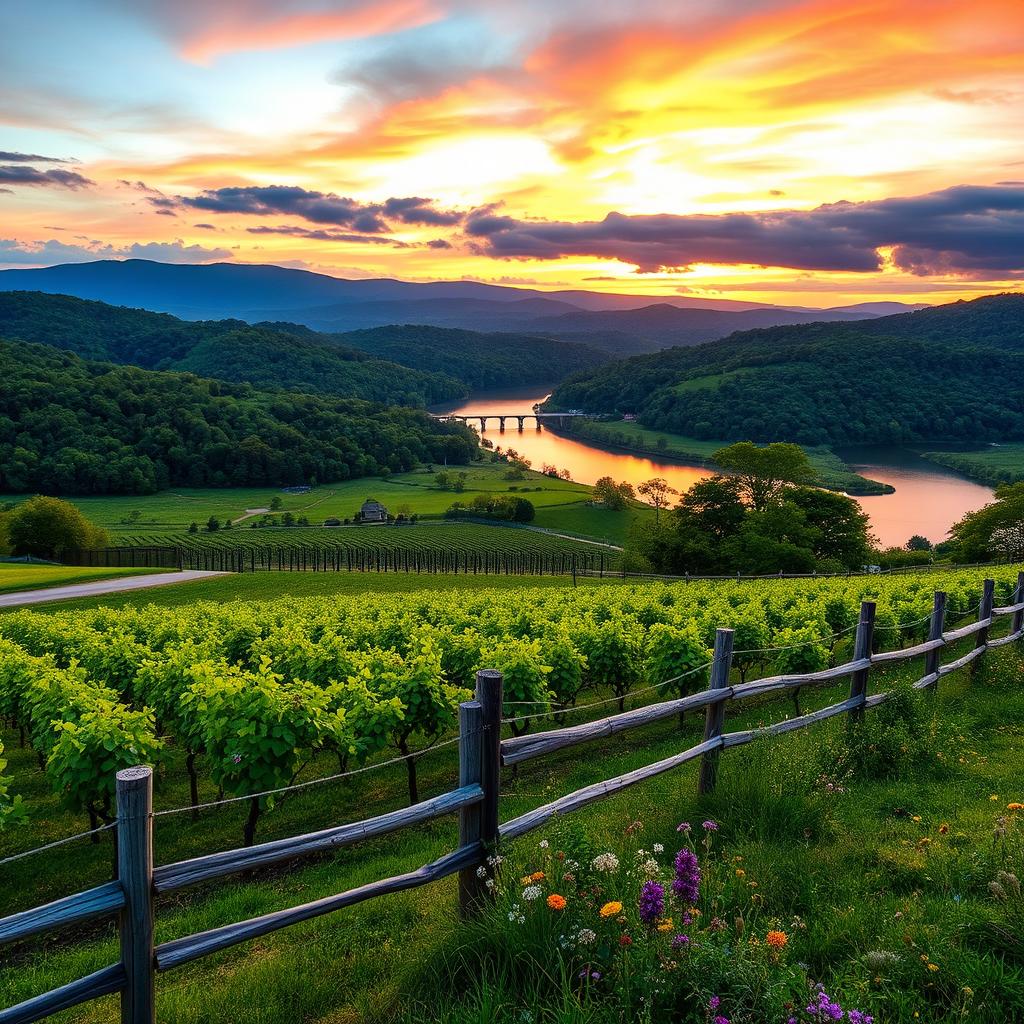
(996, 464)
(833, 473)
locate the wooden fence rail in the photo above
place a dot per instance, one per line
(482, 753)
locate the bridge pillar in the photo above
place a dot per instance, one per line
(501, 424)
(520, 418)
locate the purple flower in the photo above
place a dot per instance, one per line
(709, 826)
(686, 885)
(236, 758)
(680, 942)
(714, 1003)
(684, 827)
(719, 1019)
(652, 902)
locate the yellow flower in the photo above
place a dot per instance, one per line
(665, 924)
(968, 991)
(994, 796)
(933, 967)
(776, 939)
(916, 817)
(611, 909)
(740, 873)
(537, 876)
(556, 902)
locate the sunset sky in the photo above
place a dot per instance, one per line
(817, 153)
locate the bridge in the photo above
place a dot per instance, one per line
(558, 418)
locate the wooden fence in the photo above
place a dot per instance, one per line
(482, 753)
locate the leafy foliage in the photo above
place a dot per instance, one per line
(44, 527)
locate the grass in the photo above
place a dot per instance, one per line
(175, 509)
(17, 577)
(832, 472)
(997, 464)
(859, 880)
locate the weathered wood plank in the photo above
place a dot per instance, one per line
(92, 986)
(935, 627)
(472, 891)
(182, 951)
(862, 647)
(955, 666)
(522, 748)
(927, 680)
(1008, 639)
(104, 899)
(735, 739)
(199, 869)
(969, 630)
(714, 716)
(599, 790)
(760, 686)
(490, 692)
(907, 652)
(1008, 609)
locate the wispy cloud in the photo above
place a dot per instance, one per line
(47, 253)
(58, 177)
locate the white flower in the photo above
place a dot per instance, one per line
(494, 861)
(659, 848)
(544, 844)
(531, 892)
(586, 936)
(520, 919)
(649, 867)
(481, 872)
(489, 884)
(572, 865)
(513, 914)
(605, 862)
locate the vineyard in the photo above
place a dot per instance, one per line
(248, 693)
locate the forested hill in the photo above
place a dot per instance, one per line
(434, 364)
(228, 349)
(493, 360)
(948, 373)
(72, 426)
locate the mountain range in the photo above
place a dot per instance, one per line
(617, 323)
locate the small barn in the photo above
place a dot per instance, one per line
(373, 512)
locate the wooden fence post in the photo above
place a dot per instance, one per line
(862, 649)
(471, 887)
(135, 871)
(984, 612)
(935, 628)
(1017, 623)
(714, 717)
(489, 692)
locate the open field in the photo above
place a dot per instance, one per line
(26, 576)
(832, 471)
(997, 464)
(850, 864)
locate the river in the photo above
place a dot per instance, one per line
(928, 498)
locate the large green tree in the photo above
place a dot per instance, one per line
(763, 472)
(996, 530)
(45, 527)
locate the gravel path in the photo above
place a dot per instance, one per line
(100, 587)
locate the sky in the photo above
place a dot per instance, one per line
(815, 153)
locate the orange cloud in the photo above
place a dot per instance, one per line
(375, 17)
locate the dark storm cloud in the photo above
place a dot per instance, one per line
(316, 207)
(21, 174)
(973, 230)
(30, 158)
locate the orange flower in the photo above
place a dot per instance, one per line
(776, 939)
(537, 876)
(611, 909)
(556, 902)
(943, 829)
(1015, 806)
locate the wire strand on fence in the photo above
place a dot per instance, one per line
(311, 782)
(58, 842)
(608, 700)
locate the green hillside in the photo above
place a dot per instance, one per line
(949, 373)
(74, 426)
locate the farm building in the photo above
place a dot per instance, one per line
(373, 512)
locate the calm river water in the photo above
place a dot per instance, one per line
(928, 498)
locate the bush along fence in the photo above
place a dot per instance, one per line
(311, 558)
(476, 800)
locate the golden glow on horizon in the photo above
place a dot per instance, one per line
(779, 106)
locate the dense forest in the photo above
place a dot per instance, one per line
(494, 360)
(72, 426)
(406, 365)
(228, 349)
(949, 373)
